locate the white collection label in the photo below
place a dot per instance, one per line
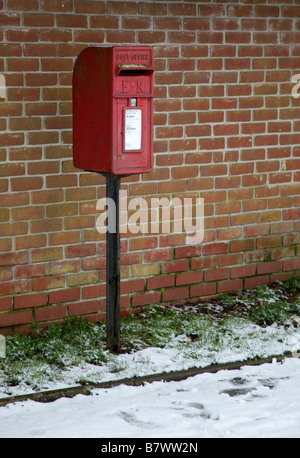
(133, 129)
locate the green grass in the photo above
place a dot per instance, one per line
(47, 353)
(159, 326)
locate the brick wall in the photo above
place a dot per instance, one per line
(225, 124)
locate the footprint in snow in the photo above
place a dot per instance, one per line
(131, 419)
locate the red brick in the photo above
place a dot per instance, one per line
(159, 255)
(83, 308)
(87, 249)
(11, 139)
(194, 51)
(127, 22)
(256, 230)
(253, 282)
(10, 259)
(212, 10)
(230, 207)
(243, 271)
(182, 10)
(210, 64)
(206, 289)
(5, 304)
(188, 278)
(210, 37)
(229, 285)
(230, 259)
(280, 253)
(142, 243)
(172, 240)
(290, 11)
(288, 264)
(89, 292)
(10, 49)
(215, 248)
(282, 228)
(216, 274)
(130, 286)
(175, 266)
(57, 5)
(181, 37)
(22, 35)
(269, 267)
(121, 36)
(182, 145)
(52, 282)
(66, 295)
(238, 116)
(30, 300)
(145, 299)
(62, 267)
(51, 313)
(225, 24)
(31, 241)
(230, 233)
(6, 273)
(38, 20)
(14, 287)
(10, 19)
(254, 205)
(173, 294)
(160, 282)
(242, 245)
(237, 37)
(90, 7)
(30, 271)
(269, 241)
(15, 318)
(204, 262)
(196, 24)
(293, 213)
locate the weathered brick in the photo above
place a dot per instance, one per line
(188, 278)
(146, 299)
(84, 308)
(216, 274)
(173, 294)
(15, 318)
(51, 313)
(52, 282)
(66, 295)
(30, 300)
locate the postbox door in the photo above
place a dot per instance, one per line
(132, 135)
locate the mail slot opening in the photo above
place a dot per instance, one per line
(132, 71)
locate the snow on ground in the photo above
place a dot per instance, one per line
(255, 401)
(242, 341)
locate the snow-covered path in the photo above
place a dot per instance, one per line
(256, 401)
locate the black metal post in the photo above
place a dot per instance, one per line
(113, 265)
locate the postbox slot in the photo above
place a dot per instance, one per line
(129, 69)
(133, 72)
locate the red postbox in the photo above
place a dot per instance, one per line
(113, 110)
